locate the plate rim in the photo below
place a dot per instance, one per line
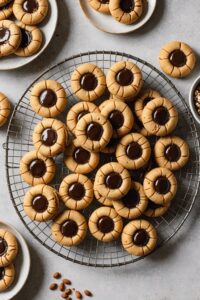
(112, 32)
(28, 258)
(33, 57)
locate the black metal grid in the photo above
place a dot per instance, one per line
(19, 140)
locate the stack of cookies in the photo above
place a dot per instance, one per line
(22, 38)
(120, 153)
(123, 11)
(8, 253)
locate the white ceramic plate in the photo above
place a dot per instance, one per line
(108, 24)
(48, 27)
(22, 265)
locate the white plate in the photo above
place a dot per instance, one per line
(22, 265)
(48, 27)
(108, 24)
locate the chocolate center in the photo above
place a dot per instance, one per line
(153, 205)
(81, 156)
(76, 191)
(104, 1)
(131, 199)
(48, 98)
(172, 152)
(178, 58)
(116, 118)
(4, 35)
(88, 82)
(124, 77)
(105, 224)
(161, 115)
(3, 246)
(81, 114)
(26, 38)
(40, 203)
(69, 228)
(94, 131)
(49, 137)
(134, 150)
(113, 180)
(30, 6)
(2, 273)
(162, 185)
(140, 238)
(37, 168)
(127, 5)
(147, 100)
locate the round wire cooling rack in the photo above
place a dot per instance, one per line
(19, 141)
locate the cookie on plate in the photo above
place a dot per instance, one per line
(50, 137)
(31, 40)
(142, 100)
(77, 111)
(177, 59)
(88, 82)
(5, 109)
(160, 116)
(48, 98)
(101, 6)
(8, 247)
(10, 37)
(139, 237)
(36, 168)
(70, 228)
(160, 185)
(133, 151)
(124, 79)
(41, 203)
(171, 152)
(30, 12)
(133, 204)
(126, 11)
(6, 11)
(102, 200)
(119, 115)
(112, 180)
(93, 132)
(105, 224)
(79, 160)
(7, 275)
(76, 191)
(156, 210)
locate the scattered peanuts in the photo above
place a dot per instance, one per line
(66, 281)
(88, 293)
(78, 295)
(61, 287)
(64, 295)
(56, 275)
(197, 99)
(53, 286)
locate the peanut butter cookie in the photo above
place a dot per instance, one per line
(8, 247)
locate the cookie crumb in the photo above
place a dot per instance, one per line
(53, 286)
(78, 295)
(88, 293)
(66, 281)
(56, 275)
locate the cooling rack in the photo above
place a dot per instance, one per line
(19, 140)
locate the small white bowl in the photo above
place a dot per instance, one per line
(191, 100)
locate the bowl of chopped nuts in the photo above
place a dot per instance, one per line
(194, 99)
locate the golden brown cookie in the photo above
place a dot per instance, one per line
(112, 180)
(48, 98)
(88, 82)
(124, 79)
(10, 37)
(160, 116)
(80, 160)
(5, 109)
(50, 137)
(37, 169)
(160, 185)
(7, 275)
(103, 200)
(171, 152)
(156, 210)
(93, 131)
(30, 12)
(105, 224)
(6, 11)
(41, 203)
(133, 204)
(177, 59)
(70, 228)
(101, 6)
(8, 247)
(133, 151)
(126, 11)
(139, 237)
(76, 191)
(77, 111)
